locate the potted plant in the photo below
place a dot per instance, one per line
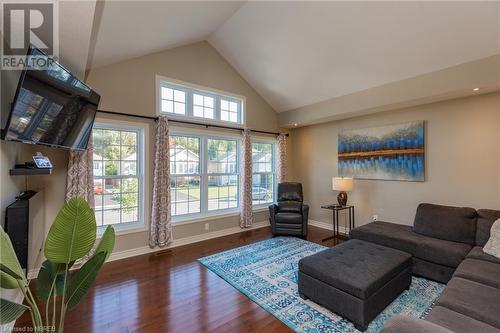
(71, 237)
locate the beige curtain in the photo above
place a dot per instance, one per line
(281, 158)
(80, 178)
(246, 214)
(160, 230)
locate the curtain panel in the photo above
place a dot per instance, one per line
(282, 143)
(80, 178)
(160, 230)
(246, 213)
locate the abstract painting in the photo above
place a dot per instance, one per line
(394, 152)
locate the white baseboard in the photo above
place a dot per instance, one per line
(32, 274)
(184, 241)
(194, 239)
(326, 225)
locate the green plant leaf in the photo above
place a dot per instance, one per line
(10, 272)
(82, 281)
(9, 261)
(72, 234)
(107, 242)
(10, 311)
(48, 272)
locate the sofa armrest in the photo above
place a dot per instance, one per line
(407, 324)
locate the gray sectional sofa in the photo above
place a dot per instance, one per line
(446, 246)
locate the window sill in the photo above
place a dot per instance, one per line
(122, 230)
(137, 228)
(199, 219)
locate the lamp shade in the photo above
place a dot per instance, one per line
(342, 184)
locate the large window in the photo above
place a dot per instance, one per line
(118, 176)
(222, 174)
(263, 168)
(184, 100)
(185, 174)
(204, 174)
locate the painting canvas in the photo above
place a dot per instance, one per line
(395, 152)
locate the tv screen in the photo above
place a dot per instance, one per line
(51, 107)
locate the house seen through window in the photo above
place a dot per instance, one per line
(117, 175)
(204, 174)
(263, 169)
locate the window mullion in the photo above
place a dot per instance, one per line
(217, 108)
(189, 103)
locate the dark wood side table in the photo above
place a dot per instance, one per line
(335, 210)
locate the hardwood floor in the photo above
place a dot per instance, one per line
(172, 292)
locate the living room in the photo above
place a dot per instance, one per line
(277, 166)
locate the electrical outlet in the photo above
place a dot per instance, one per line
(207, 226)
(375, 217)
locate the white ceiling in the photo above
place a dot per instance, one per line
(134, 28)
(299, 53)
(75, 29)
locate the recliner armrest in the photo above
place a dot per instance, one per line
(273, 209)
(305, 210)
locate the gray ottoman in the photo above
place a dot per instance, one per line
(355, 279)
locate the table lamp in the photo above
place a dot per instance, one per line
(342, 185)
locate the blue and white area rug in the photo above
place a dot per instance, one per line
(266, 272)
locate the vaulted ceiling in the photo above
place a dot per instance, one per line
(300, 53)
(134, 28)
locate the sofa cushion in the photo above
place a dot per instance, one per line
(402, 237)
(484, 272)
(356, 267)
(478, 253)
(486, 218)
(472, 299)
(432, 271)
(458, 322)
(440, 251)
(393, 235)
(407, 324)
(456, 224)
(290, 207)
(288, 218)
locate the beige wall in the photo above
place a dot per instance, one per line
(9, 186)
(129, 87)
(462, 161)
(445, 84)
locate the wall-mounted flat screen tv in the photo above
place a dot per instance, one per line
(51, 106)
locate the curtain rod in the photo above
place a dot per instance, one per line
(190, 122)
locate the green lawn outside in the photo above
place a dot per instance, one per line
(213, 191)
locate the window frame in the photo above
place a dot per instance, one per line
(204, 136)
(190, 89)
(217, 174)
(140, 224)
(274, 170)
(199, 174)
